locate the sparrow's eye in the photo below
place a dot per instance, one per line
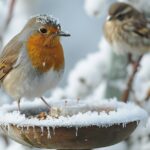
(43, 30)
(120, 17)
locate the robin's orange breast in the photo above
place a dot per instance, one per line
(44, 57)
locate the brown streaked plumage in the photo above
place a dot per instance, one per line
(127, 29)
(9, 56)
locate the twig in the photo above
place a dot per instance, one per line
(9, 14)
(126, 93)
(8, 19)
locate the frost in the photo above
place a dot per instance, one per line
(78, 114)
(46, 19)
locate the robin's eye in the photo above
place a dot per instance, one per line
(43, 30)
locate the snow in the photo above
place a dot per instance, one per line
(83, 80)
(120, 146)
(76, 113)
(95, 7)
(140, 138)
(46, 19)
(143, 78)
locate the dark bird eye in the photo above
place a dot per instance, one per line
(120, 17)
(43, 30)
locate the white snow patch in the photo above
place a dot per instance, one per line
(44, 19)
(120, 146)
(95, 7)
(142, 79)
(80, 114)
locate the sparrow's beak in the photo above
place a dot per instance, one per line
(61, 33)
(109, 18)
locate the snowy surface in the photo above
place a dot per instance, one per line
(84, 117)
(120, 146)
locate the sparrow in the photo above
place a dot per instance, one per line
(33, 61)
(127, 30)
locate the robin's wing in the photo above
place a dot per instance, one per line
(9, 56)
(139, 27)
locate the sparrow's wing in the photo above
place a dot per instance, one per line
(9, 56)
(139, 27)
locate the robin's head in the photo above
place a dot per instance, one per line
(44, 29)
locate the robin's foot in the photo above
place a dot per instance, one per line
(49, 107)
(18, 102)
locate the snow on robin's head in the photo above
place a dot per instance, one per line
(46, 19)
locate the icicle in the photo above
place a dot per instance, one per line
(8, 127)
(42, 130)
(27, 128)
(48, 133)
(22, 129)
(124, 125)
(76, 131)
(53, 130)
(34, 131)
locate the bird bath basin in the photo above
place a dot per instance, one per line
(72, 125)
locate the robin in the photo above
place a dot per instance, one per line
(33, 61)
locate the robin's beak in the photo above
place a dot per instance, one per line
(61, 33)
(52, 36)
(109, 18)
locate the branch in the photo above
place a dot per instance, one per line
(126, 93)
(8, 19)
